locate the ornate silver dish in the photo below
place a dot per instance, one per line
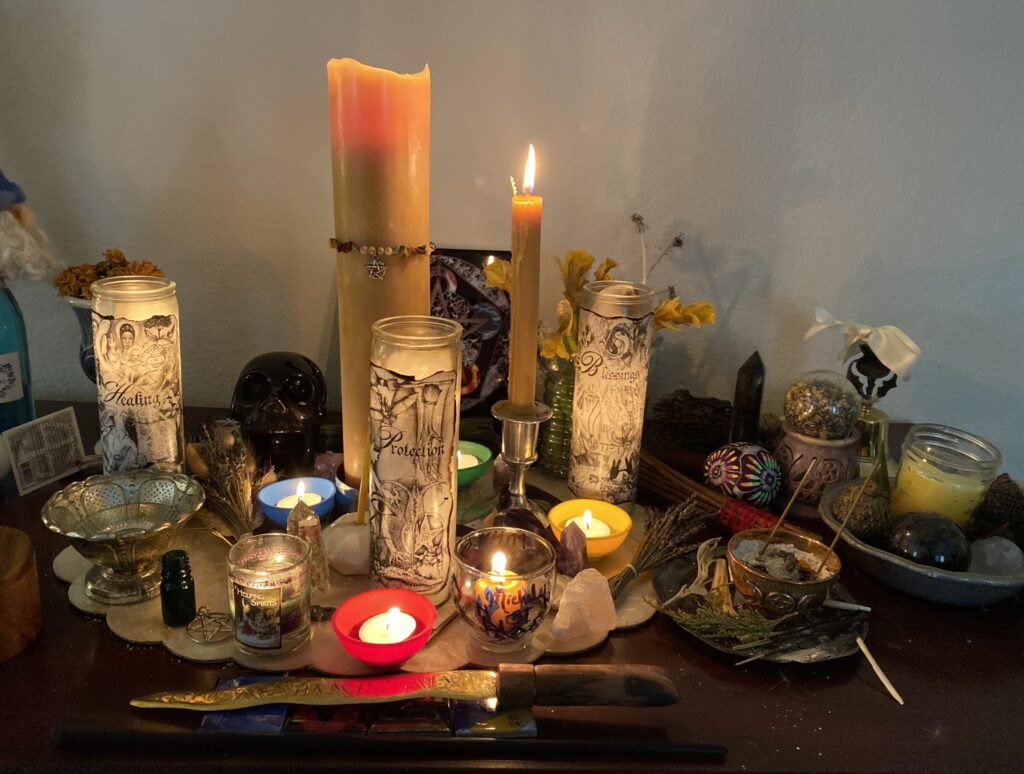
(123, 522)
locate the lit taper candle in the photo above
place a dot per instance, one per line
(526, 216)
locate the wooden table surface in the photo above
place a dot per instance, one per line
(959, 671)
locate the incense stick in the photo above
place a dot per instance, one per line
(785, 511)
(849, 513)
(878, 672)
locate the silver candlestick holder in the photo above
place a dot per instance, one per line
(519, 434)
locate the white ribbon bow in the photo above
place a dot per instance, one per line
(893, 347)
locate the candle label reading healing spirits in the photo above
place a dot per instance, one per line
(608, 405)
(257, 614)
(412, 504)
(138, 374)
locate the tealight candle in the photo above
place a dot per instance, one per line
(499, 596)
(290, 501)
(591, 527)
(387, 628)
(467, 460)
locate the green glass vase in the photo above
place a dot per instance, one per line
(556, 433)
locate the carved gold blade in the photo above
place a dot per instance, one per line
(470, 685)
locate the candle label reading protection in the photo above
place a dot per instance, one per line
(412, 505)
(257, 614)
(608, 405)
(138, 376)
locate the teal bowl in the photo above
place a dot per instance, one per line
(468, 475)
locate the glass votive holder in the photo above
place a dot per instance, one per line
(504, 580)
(269, 592)
(945, 471)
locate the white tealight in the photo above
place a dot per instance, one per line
(591, 527)
(290, 501)
(387, 628)
(467, 460)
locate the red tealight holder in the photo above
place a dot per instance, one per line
(355, 611)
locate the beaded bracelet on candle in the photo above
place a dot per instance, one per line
(377, 268)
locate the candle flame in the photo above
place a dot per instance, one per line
(391, 618)
(528, 173)
(588, 521)
(300, 489)
(498, 563)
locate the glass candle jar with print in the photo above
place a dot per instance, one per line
(415, 384)
(615, 332)
(269, 592)
(138, 373)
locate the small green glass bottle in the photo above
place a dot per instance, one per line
(177, 591)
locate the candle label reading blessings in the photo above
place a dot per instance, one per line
(138, 375)
(412, 505)
(257, 614)
(608, 405)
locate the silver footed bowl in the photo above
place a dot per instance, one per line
(124, 522)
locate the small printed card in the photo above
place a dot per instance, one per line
(44, 450)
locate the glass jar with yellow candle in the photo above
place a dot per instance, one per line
(944, 470)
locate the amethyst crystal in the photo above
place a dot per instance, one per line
(571, 556)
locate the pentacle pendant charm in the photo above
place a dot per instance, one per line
(210, 627)
(376, 269)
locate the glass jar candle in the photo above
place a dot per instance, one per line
(415, 384)
(138, 373)
(504, 579)
(269, 592)
(944, 470)
(615, 332)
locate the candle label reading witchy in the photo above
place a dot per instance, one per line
(608, 405)
(257, 614)
(412, 494)
(511, 610)
(138, 376)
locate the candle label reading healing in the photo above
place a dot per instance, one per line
(608, 405)
(138, 375)
(412, 505)
(257, 614)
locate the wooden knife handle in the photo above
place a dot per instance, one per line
(561, 685)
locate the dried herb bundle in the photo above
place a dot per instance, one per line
(225, 463)
(714, 622)
(669, 534)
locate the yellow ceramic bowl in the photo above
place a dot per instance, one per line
(612, 515)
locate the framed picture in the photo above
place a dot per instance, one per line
(459, 291)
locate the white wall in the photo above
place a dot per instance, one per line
(865, 156)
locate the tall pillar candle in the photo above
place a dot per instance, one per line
(415, 385)
(526, 217)
(138, 373)
(611, 390)
(380, 152)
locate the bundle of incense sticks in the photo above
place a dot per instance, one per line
(736, 516)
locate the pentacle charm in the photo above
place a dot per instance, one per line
(376, 269)
(210, 627)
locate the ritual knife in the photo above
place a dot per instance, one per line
(512, 685)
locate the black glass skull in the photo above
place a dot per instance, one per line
(280, 400)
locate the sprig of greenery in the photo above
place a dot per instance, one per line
(709, 621)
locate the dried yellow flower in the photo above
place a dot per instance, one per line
(498, 274)
(561, 342)
(574, 273)
(75, 281)
(671, 313)
(604, 270)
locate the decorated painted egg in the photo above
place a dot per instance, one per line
(745, 471)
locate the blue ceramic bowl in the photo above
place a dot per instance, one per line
(468, 475)
(346, 497)
(272, 493)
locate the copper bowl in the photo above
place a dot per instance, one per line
(782, 597)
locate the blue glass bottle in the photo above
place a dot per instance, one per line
(16, 405)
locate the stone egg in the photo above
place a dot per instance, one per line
(928, 538)
(744, 471)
